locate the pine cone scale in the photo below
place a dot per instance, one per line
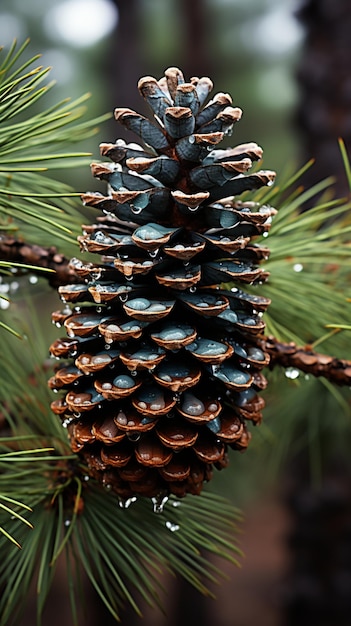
(164, 364)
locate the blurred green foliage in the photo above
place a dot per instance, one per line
(248, 48)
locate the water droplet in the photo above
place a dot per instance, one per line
(214, 425)
(207, 347)
(265, 234)
(33, 280)
(106, 386)
(192, 405)
(67, 422)
(192, 289)
(157, 306)
(292, 373)
(123, 381)
(159, 502)
(86, 478)
(175, 503)
(153, 253)
(172, 527)
(166, 378)
(212, 407)
(122, 418)
(157, 406)
(4, 304)
(67, 522)
(134, 437)
(298, 267)
(96, 274)
(255, 354)
(125, 504)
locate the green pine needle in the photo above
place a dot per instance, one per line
(34, 205)
(304, 415)
(346, 161)
(32, 143)
(126, 557)
(309, 263)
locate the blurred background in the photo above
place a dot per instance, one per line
(250, 49)
(286, 63)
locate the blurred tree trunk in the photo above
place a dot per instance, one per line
(319, 578)
(195, 46)
(317, 588)
(320, 574)
(128, 59)
(125, 63)
(324, 77)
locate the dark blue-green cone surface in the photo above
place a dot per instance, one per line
(162, 366)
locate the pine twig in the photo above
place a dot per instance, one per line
(16, 251)
(337, 371)
(286, 354)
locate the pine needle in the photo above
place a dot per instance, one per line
(28, 137)
(134, 546)
(309, 261)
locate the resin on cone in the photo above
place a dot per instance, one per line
(161, 364)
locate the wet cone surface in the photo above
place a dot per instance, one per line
(161, 367)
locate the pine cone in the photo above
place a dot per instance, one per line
(163, 366)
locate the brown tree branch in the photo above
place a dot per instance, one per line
(16, 251)
(337, 371)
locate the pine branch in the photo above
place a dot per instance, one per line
(16, 251)
(33, 142)
(337, 371)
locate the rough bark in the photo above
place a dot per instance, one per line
(16, 251)
(337, 371)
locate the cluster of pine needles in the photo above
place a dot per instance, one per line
(50, 510)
